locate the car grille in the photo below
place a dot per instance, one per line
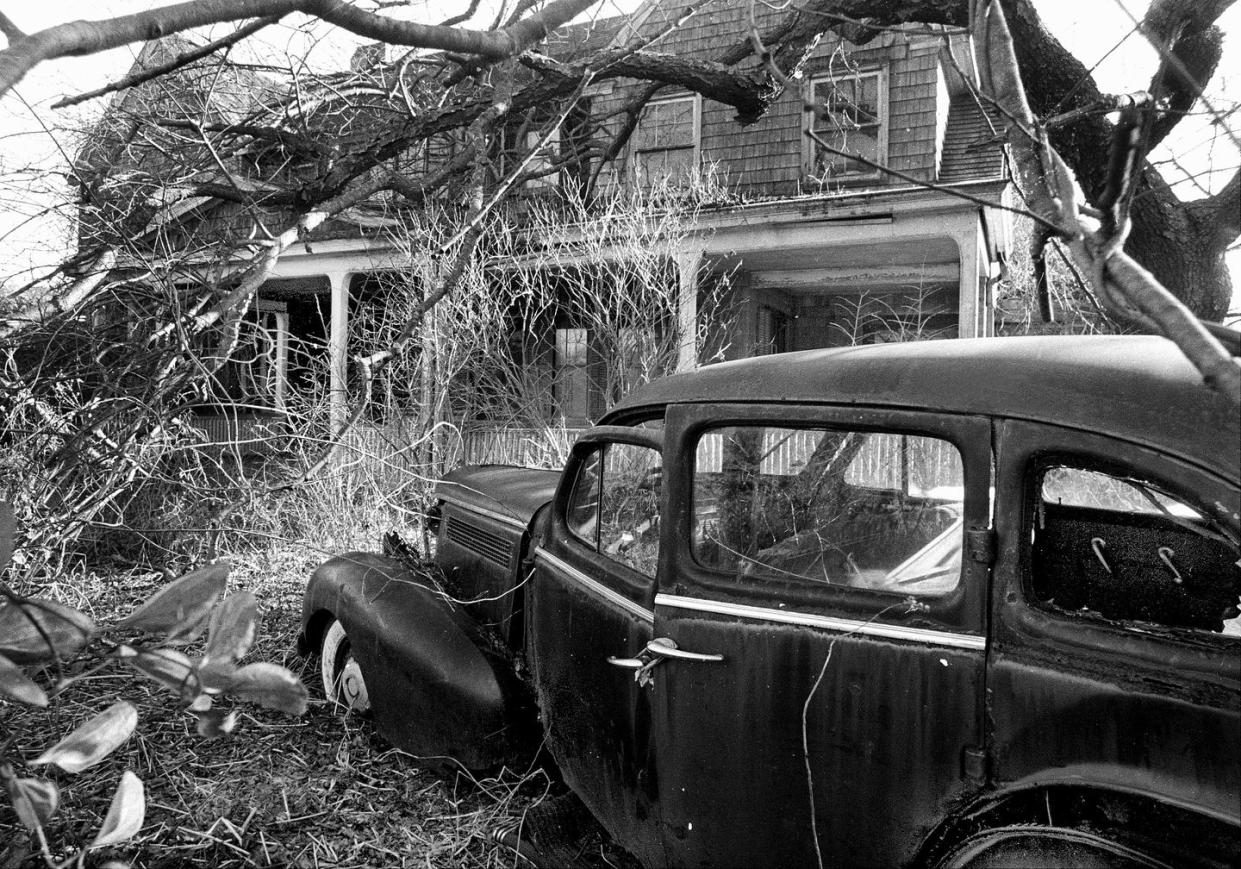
(491, 546)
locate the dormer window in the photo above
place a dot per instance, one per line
(665, 144)
(852, 117)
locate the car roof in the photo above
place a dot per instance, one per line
(1138, 388)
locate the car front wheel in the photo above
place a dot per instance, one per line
(343, 683)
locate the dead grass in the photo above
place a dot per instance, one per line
(319, 791)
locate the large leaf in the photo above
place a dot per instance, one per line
(272, 686)
(16, 684)
(34, 800)
(125, 815)
(35, 630)
(181, 608)
(94, 740)
(233, 628)
(169, 667)
(8, 533)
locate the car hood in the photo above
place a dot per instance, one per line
(502, 489)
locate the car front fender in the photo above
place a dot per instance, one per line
(434, 690)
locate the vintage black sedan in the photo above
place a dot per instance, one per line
(955, 603)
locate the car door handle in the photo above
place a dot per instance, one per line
(627, 663)
(663, 647)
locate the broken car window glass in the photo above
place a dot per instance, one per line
(1118, 548)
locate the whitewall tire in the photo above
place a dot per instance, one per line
(341, 674)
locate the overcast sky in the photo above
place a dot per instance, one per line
(33, 135)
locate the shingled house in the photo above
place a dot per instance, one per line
(812, 240)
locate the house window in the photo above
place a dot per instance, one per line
(541, 163)
(439, 150)
(572, 378)
(665, 144)
(852, 117)
(256, 373)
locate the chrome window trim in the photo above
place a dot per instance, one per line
(596, 586)
(831, 623)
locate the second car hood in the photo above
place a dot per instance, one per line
(504, 489)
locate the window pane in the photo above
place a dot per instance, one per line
(629, 506)
(652, 166)
(572, 373)
(582, 516)
(861, 509)
(1117, 548)
(541, 163)
(852, 122)
(667, 124)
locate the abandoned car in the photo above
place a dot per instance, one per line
(950, 603)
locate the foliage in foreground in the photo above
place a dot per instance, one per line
(38, 635)
(316, 790)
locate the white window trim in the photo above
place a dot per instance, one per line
(808, 118)
(632, 160)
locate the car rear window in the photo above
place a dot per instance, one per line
(1119, 548)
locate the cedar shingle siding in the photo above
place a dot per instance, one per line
(767, 157)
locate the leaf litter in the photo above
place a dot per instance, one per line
(319, 791)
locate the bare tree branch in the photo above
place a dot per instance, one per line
(10, 30)
(89, 37)
(184, 59)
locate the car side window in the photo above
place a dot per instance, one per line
(872, 510)
(1114, 547)
(615, 504)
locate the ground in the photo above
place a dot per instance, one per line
(315, 791)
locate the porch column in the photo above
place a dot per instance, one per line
(972, 289)
(688, 260)
(338, 349)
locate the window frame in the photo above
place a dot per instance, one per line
(1018, 618)
(810, 147)
(266, 389)
(961, 610)
(563, 372)
(646, 429)
(1115, 467)
(696, 132)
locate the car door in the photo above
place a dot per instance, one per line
(820, 628)
(1116, 657)
(592, 599)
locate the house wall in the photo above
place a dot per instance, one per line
(768, 157)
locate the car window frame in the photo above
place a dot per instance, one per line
(1023, 446)
(961, 610)
(1113, 465)
(614, 576)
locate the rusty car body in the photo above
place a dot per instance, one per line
(952, 603)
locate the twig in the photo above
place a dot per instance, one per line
(929, 185)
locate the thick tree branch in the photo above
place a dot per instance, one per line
(1128, 290)
(89, 37)
(10, 30)
(181, 60)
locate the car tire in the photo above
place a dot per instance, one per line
(1051, 847)
(343, 683)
